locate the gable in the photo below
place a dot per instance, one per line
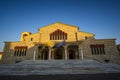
(58, 31)
(58, 25)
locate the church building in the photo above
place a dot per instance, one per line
(60, 41)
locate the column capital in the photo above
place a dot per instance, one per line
(79, 47)
(65, 47)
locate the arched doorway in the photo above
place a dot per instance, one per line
(43, 53)
(59, 53)
(73, 52)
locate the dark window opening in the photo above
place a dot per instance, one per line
(85, 37)
(58, 35)
(17, 62)
(31, 39)
(59, 52)
(97, 49)
(71, 54)
(20, 50)
(107, 61)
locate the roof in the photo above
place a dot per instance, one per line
(107, 39)
(60, 23)
(86, 32)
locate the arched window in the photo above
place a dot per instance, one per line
(97, 49)
(20, 50)
(58, 35)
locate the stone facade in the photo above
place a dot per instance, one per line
(1, 55)
(60, 41)
(118, 47)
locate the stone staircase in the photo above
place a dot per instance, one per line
(51, 67)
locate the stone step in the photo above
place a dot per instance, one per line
(44, 67)
(57, 62)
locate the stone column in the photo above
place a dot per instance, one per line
(76, 54)
(49, 53)
(52, 53)
(65, 48)
(80, 52)
(34, 54)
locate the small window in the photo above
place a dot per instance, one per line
(97, 49)
(85, 37)
(31, 39)
(17, 61)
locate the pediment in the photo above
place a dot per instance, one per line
(59, 25)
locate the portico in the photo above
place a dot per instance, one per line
(67, 52)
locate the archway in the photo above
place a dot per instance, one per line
(71, 54)
(59, 53)
(43, 53)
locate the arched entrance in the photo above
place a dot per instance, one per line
(43, 53)
(73, 52)
(59, 53)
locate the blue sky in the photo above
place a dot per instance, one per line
(101, 17)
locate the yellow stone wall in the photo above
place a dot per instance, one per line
(23, 37)
(45, 31)
(33, 37)
(0, 56)
(70, 30)
(8, 55)
(43, 35)
(82, 35)
(111, 52)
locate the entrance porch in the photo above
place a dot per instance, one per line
(67, 52)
